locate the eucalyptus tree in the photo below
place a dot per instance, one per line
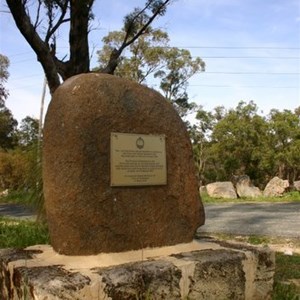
(39, 22)
(150, 59)
(4, 64)
(285, 143)
(8, 124)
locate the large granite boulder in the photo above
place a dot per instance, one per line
(86, 215)
(276, 187)
(297, 185)
(223, 189)
(245, 188)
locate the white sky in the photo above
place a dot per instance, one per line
(251, 49)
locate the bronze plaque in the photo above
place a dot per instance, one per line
(137, 159)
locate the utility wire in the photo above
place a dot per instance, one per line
(251, 57)
(245, 86)
(197, 47)
(236, 47)
(250, 73)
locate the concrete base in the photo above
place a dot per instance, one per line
(198, 270)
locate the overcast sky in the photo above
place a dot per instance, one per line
(251, 49)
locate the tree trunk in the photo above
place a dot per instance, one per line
(78, 38)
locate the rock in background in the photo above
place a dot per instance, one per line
(221, 190)
(276, 187)
(297, 185)
(245, 188)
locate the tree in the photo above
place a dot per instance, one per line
(200, 136)
(8, 124)
(28, 132)
(232, 142)
(40, 21)
(4, 64)
(143, 57)
(150, 56)
(285, 142)
(239, 139)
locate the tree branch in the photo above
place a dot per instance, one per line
(38, 15)
(145, 26)
(61, 20)
(116, 53)
(41, 49)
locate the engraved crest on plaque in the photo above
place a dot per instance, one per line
(140, 143)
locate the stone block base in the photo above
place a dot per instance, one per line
(198, 270)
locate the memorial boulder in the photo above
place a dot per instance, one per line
(118, 169)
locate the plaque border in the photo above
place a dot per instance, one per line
(137, 184)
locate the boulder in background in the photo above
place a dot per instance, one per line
(276, 187)
(245, 188)
(221, 190)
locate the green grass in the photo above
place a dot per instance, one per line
(17, 197)
(20, 234)
(258, 240)
(287, 197)
(287, 268)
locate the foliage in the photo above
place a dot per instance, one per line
(13, 169)
(28, 132)
(150, 56)
(4, 63)
(179, 68)
(240, 141)
(20, 169)
(8, 124)
(285, 140)
(144, 57)
(40, 24)
(21, 234)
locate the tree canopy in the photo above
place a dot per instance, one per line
(39, 22)
(8, 124)
(240, 141)
(151, 56)
(4, 64)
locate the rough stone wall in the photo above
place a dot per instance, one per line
(230, 271)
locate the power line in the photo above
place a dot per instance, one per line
(236, 47)
(198, 47)
(251, 57)
(11, 79)
(251, 73)
(21, 53)
(245, 86)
